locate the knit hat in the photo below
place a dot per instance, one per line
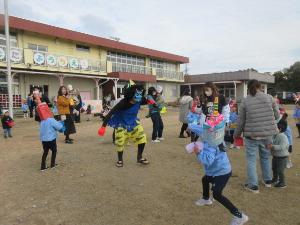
(159, 89)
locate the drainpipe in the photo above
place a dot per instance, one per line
(235, 91)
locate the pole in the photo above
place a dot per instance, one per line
(9, 78)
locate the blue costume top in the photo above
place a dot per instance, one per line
(126, 118)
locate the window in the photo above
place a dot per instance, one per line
(83, 48)
(125, 58)
(40, 48)
(13, 39)
(162, 65)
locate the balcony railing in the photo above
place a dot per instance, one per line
(169, 74)
(67, 62)
(16, 54)
(128, 68)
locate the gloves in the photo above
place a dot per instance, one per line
(101, 131)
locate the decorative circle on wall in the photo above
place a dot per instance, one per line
(39, 58)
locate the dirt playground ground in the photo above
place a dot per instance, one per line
(87, 188)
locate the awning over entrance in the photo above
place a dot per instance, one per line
(133, 76)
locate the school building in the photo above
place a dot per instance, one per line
(233, 85)
(46, 57)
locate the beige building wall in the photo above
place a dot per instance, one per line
(83, 84)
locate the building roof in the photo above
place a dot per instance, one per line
(241, 75)
(45, 29)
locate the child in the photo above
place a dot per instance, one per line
(217, 172)
(25, 109)
(7, 124)
(279, 150)
(197, 109)
(48, 135)
(232, 125)
(89, 112)
(289, 135)
(297, 116)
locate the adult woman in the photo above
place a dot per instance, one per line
(257, 117)
(154, 111)
(210, 93)
(186, 103)
(78, 106)
(63, 107)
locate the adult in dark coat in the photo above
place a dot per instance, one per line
(78, 106)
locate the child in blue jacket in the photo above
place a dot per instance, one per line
(289, 134)
(48, 135)
(232, 125)
(217, 172)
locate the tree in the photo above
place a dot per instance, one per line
(288, 79)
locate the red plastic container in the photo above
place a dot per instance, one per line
(44, 111)
(239, 141)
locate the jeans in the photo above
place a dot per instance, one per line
(49, 145)
(252, 147)
(278, 167)
(158, 126)
(7, 132)
(218, 184)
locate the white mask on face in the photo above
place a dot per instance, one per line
(208, 92)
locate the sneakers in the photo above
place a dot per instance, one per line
(252, 188)
(155, 141)
(239, 221)
(161, 139)
(68, 142)
(267, 183)
(203, 202)
(289, 164)
(280, 185)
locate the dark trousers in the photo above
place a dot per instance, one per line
(31, 111)
(298, 126)
(183, 128)
(114, 136)
(218, 184)
(278, 167)
(229, 136)
(194, 137)
(77, 118)
(158, 126)
(49, 145)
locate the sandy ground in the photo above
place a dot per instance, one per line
(87, 189)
